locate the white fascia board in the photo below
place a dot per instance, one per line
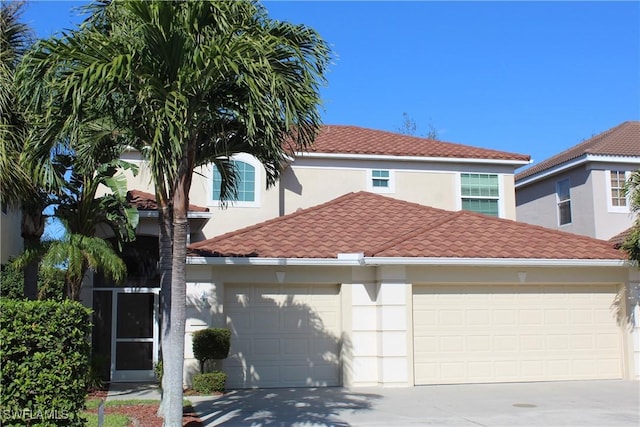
(411, 158)
(309, 262)
(496, 262)
(191, 214)
(377, 261)
(585, 158)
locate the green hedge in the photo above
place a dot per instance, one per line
(212, 382)
(44, 360)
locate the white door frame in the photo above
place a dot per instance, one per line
(133, 375)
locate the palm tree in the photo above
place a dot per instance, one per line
(19, 189)
(203, 80)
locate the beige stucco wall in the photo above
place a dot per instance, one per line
(377, 308)
(10, 239)
(309, 182)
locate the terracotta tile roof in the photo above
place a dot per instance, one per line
(622, 140)
(386, 227)
(619, 238)
(340, 139)
(147, 202)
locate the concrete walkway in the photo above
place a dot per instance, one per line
(572, 403)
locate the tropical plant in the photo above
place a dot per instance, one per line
(202, 81)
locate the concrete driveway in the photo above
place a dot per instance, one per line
(571, 403)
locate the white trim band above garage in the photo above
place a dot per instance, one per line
(359, 260)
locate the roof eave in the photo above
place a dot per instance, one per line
(496, 262)
(345, 156)
(585, 158)
(153, 213)
(414, 261)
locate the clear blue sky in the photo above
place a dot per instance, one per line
(528, 77)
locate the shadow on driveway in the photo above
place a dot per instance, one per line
(283, 407)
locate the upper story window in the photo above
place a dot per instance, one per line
(381, 181)
(480, 193)
(380, 178)
(563, 196)
(247, 189)
(617, 198)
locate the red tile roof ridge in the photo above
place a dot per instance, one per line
(588, 146)
(276, 220)
(416, 232)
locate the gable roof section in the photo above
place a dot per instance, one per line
(354, 140)
(144, 201)
(381, 226)
(622, 140)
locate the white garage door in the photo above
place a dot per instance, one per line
(283, 336)
(476, 334)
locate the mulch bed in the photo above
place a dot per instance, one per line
(144, 415)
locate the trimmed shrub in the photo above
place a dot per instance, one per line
(44, 360)
(212, 382)
(211, 344)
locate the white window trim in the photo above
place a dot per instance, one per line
(500, 198)
(558, 203)
(246, 158)
(610, 207)
(381, 190)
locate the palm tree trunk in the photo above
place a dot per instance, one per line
(174, 352)
(32, 228)
(165, 266)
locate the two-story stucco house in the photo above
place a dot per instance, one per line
(580, 190)
(367, 265)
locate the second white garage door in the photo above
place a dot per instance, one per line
(476, 334)
(283, 336)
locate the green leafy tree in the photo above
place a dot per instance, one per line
(202, 80)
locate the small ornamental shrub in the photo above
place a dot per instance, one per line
(44, 360)
(211, 344)
(158, 370)
(212, 382)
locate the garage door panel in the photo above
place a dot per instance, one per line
(290, 339)
(519, 333)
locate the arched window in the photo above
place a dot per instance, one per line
(246, 182)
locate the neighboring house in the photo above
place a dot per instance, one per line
(360, 268)
(580, 190)
(10, 238)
